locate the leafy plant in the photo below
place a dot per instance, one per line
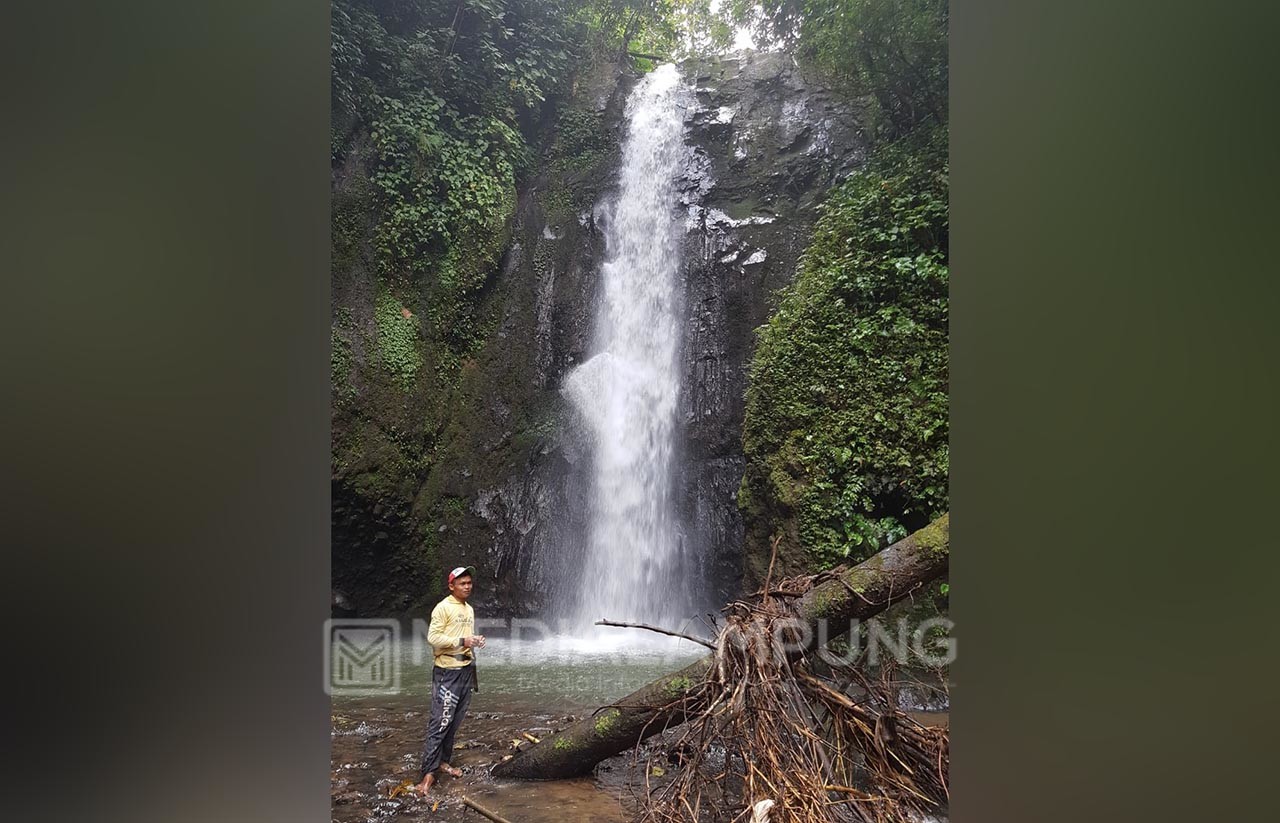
(397, 341)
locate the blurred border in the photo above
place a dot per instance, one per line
(165, 420)
(166, 413)
(1111, 403)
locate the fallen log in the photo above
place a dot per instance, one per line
(854, 594)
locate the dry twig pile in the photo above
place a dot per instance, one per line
(819, 737)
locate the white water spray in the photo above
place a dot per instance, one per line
(627, 391)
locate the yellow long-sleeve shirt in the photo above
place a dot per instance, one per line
(451, 620)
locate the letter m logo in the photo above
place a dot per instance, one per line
(362, 657)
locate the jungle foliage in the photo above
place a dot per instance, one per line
(847, 407)
(448, 101)
(893, 50)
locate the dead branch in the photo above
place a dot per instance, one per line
(654, 629)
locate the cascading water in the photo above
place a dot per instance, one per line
(627, 392)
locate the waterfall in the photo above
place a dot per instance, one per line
(626, 392)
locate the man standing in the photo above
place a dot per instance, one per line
(453, 677)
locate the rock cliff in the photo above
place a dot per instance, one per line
(495, 477)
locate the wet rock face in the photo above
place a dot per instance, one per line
(768, 144)
(509, 485)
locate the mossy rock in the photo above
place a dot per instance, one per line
(845, 431)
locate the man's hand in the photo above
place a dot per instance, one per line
(473, 641)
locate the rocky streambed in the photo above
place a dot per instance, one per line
(377, 746)
(526, 688)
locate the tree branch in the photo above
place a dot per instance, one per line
(654, 629)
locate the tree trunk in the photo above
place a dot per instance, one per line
(858, 593)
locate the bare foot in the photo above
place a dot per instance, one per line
(425, 786)
(452, 771)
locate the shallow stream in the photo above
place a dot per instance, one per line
(526, 687)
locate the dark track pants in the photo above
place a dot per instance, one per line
(450, 695)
